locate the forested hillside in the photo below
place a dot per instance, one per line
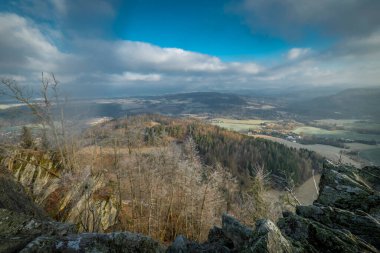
(155, 175)
(239, 153)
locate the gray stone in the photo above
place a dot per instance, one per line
(360, 224)
(344, 187)
(268, 238)
(235, 231)
(123, 242)
(311, 236)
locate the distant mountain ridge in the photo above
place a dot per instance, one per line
(209, 98)
(361, 103)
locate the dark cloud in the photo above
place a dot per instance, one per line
(294, 18)
(88, 18)
(84, 18)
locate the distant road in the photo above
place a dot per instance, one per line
(329, 152)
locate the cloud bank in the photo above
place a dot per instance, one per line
(292, 18)
(88, 63)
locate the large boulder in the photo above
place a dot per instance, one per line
(268, 238)
(123, 242)
(26, 234)
(360, 224)
(235, 231)
(183, 245)
(311, 236)
(231, 237)
(349, 188)
(17, 230)
(235, 237)
(344, 218)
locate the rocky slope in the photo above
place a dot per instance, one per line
(66, 198)
(344, 218)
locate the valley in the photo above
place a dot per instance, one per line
(346, 144)
(266, 116)
(230, 149)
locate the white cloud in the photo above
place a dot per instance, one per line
(26, 51)
(167, 59)
(246, 68)
(296, 53)
(23, 46)
(131, 76)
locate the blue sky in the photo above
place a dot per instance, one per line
(176, 46)
(207, 27)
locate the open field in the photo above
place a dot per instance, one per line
(372, 155)
(330, 152)
(349, 124)
(306, 193)
(367, 154)
(360, 146)
(344, 134)
(239, 125)
(244, 125)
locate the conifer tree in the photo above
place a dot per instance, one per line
(26, 138)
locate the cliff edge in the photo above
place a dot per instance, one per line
(344, 218)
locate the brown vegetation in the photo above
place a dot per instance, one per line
(151, 174)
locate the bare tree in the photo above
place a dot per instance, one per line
(42, 109)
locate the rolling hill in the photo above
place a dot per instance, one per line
(352, 103)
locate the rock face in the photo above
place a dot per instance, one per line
(65, 199)
(12, 196)
(344, 218)
(24, 227)
(351, 189)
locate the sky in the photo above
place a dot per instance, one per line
(132, 47)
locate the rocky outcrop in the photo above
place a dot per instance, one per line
(358, 223)
(18, 229)
(344, 218)
(268, 238)
(350, 188)
(66, 198)
(13, 197)
(26, 228)
(235, 237)
(26, 234)
(94, 242)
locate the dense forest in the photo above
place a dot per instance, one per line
(241, 154)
